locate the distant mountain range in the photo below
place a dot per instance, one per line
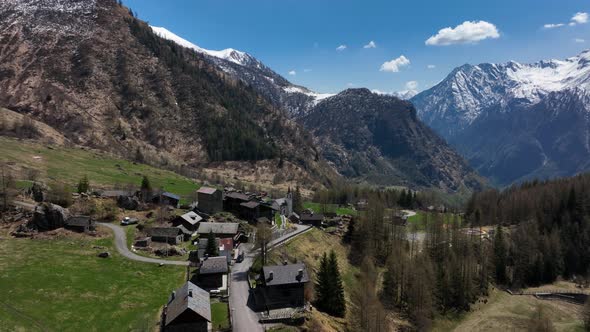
(515, 122)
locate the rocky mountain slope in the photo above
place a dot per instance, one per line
(104, 79)
(378, 139)
(515, 121)
(364, 153)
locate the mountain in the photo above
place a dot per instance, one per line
(416, 162)
(378, 139)
(513, 121)
(105, 80)
(295, 100)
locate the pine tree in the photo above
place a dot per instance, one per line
(146, 188)
(337, 300)
(322, 285)
(83, 185)
(212, 250)
(500, 256)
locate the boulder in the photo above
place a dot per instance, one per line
(48, 217)
(128, 203)
(104, 254)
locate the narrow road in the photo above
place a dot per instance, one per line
(244, 319)
(121, 245)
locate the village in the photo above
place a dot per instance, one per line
(218, 237)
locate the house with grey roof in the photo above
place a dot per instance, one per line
(170, 235)
(189, 309)
(210, 200)
(281, 286)
(81, 224)
(189, 220)
(213, 273)
(219, 229)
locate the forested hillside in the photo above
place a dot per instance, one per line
(547, 229)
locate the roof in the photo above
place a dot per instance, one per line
(285, 274)
(228, 244)
(192, 217)
(312, 217)
(79, 221)
(171, 195)
(250, 204)
(184, 230)
(237, 195)
(212, 265)
(163, 231)
(206, 190)
(199, 302)
(218, 227)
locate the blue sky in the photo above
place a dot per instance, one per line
(303, 35)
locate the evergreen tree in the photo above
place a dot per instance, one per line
(337, 300)
(297, 201)
(83, 185)
(146, 188)
(347, 238)
(500, 256)
(322, 285)
(212, 249)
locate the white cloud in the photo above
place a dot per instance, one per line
(464, 33)
(431, 66)
(292, 73)
(371, 44)
(341, 48)
(349, 84)
(553, 25)
(412, 85)
(306, 70)
(579, 40)
(579, 18)
(395, 64)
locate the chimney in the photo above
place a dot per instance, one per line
(285, 262)
(190, 293)
(300, 274)
(271, 274)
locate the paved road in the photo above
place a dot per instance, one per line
(121, 245)
(409, 213)
(243, 318)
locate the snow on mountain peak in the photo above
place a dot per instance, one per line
(229, 54)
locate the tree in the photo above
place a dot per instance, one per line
(212, 249)
(83, 185)
(297, 201)
(322, 284)
(337, 300)
(37, 192)
(500, 256)
(60, 194)
(263, 237)
(7, 188)
(146, 188)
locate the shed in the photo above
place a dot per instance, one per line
(81, 224)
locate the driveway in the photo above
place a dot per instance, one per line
(244, 319)
(121, 245)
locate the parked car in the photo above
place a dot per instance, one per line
(129, 221)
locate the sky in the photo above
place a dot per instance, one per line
(331, 45)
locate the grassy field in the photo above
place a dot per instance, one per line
(320, 208)
(505, 312)
(420, 218)
(70, 164)
(219, 315)
(61, 285)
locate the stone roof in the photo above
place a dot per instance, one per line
(189, 297)
(285, 274)
(237, 195)
(192, 217)
(212, 265)
(250, 204)
(115, 193)
(311, 217)
(218, 228)
(206, 190)
(184, 230)
(171, 195)
(163, 231)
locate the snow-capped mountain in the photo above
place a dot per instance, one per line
(515, 121)
(296, 100)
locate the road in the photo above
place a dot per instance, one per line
(243, 318)
(121, 245)
(409, 213)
